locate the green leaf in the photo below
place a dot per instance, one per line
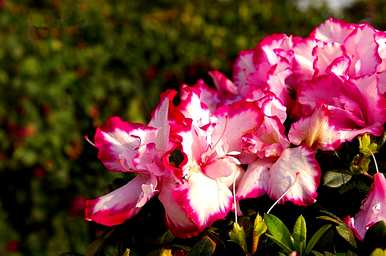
(346, 234)
(204, 247)
(316, 253)
(335, 179)
(237, 235)
(300, 233)
(316, 237)
(278, 231)
(283, 246)
(378, 252)
(328, 218)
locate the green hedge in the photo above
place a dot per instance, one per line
(66, 65)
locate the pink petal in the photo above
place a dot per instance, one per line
(176, 218)
(304, 58)
(362, 49)
(118, 143)
(382, 84)
(243, 68)
(339, 66)
(315, 131)
(380, 38)
(225, 170)
(204, 200)
(373, 208)
(326, 129)
(233, 121)
(272, 106)
(223, 84)
(208, 96)
(192, 107)
(268, 140)
(121, 204)
(332, 30)
(254, 182)
(277, 80)
(297, 171)
(375, 104)
(325, 54)
(160, 119)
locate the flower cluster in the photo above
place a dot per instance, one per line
(252, 135)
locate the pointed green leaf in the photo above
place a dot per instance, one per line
(283, 246)
(328, 218)
(278, 230)
(300, 233)
(237, 235)
(316, 253)
(316, 237)
(346, 234)
(335, 179)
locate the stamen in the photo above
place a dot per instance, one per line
(375, 162)
(284, 194)
(234, 196)
(222, 133)
(89, 141)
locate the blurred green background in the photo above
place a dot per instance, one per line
(66, 65)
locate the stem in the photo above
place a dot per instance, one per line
(375, 162)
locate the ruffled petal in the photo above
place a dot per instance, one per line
(192, 107)
(123, 203)
(325, 55)
(373, 208)
(225, 170)
(333, 30)
(176, 218)
(233, 121)
(380, 38)
(225, 86)
(254, 182)
(204, 200)
(118, 143)
(362, 49)
(298, 172)
(382, 84)
(243, 68)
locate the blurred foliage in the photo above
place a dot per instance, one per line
(66, 65)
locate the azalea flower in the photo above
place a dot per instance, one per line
(373, 208)
(132, 148)
(335, 111)
(209, 169)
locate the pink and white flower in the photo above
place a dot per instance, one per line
(373, 208)
(203, 194)
(134, 148)
(294, 177)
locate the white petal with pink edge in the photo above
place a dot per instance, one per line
(122, 203)
(373, 208)
(254, 182)
(118, 143)
(204, 200)
(243, 68)
(233, 121)
(333, 30)
(176, 218)
(297, 175)
(362, 49)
